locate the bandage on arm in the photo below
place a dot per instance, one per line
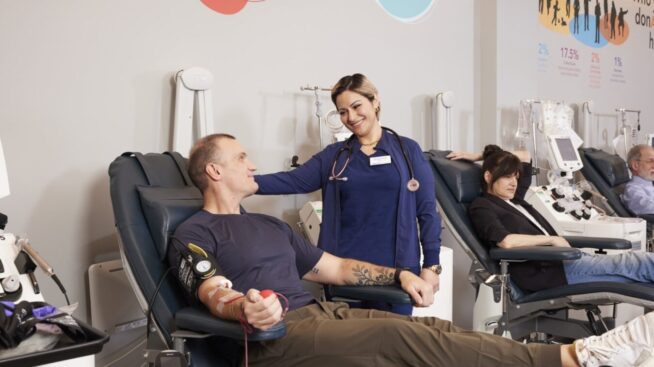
(220, 299)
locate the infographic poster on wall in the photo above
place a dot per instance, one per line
(600, 39)
(407, 11)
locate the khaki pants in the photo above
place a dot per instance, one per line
(331, 334)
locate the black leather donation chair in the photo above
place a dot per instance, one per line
(458, 183)
(151, 195)
(609, 173)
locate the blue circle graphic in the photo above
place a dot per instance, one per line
(407, 10)
(587, 37)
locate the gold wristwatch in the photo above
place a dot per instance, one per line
(435, 268)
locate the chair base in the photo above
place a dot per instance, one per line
(557, 324)
(559, 328)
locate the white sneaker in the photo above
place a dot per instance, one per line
(628, 345)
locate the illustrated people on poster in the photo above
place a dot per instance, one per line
(606, 12)
(540, 6)
(586, 27)
(567, 8)
(549, 3)
(555, 17)
(621, 21)
(598, 15)
(575, 7)
(613, 15)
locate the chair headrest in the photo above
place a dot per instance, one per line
(463, 178)
(165, 208)
(611, 167)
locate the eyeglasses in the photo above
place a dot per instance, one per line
(648, 161)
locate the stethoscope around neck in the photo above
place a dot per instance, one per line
(412, 185)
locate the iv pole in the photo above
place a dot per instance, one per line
(623, 118)
(316, 89)
(532, 120)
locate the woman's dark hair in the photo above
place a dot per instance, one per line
(499, 163)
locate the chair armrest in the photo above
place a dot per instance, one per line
(540, 253)
(382, 293)
(599, 243)
(200, 320)
(649, 218)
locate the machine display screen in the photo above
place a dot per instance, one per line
(566, 149)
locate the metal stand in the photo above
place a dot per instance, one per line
(190, 83)
(316, 89)
(627, 129)
(442, 134)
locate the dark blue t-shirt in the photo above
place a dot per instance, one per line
(252, 250)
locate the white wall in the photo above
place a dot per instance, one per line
(84, 81)
(520, 74)
(87, 80)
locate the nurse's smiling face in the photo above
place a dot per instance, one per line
(358, 113)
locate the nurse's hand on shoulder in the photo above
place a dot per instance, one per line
(420, 291)
(260, 312)
(431, 278)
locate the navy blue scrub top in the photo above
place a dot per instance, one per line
(410, 206)
(369, 200)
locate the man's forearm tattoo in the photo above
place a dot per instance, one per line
(365, 275)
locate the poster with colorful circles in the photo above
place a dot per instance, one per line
(593, 23)
(600, 38)
(407, 11)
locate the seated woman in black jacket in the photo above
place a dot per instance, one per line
(501, 217)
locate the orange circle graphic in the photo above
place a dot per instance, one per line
(227, 7)
(616, 32)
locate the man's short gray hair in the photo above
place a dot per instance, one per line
(635, 153)
(204, 152)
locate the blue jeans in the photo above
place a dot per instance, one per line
(625, 267)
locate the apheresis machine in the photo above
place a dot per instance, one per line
(570, 204)
(566, 204)
(21, 343)
(17, 279)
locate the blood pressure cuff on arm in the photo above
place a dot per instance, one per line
(193, 266)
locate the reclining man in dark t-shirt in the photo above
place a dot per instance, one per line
(258, 252)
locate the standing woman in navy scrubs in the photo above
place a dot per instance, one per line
(377, 188)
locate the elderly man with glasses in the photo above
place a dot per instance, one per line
(638, 194)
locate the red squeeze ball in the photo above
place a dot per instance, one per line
(266, 293)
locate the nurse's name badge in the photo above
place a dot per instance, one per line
(376, 161)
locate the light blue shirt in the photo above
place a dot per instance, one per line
(638, 196)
